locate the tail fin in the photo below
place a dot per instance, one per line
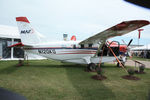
(28, 35)
(73, 38)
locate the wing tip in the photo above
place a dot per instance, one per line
(146, 22)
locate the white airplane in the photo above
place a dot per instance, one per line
(87, 51)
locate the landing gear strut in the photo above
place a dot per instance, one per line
(91, 67)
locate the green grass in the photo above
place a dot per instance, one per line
(53, 80)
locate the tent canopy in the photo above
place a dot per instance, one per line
(9, 32)
(145, 47)
(12, 32)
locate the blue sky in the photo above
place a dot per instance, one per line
(82, 18)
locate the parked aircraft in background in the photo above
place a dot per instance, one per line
(87, 51)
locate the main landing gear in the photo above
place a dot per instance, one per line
(122, 62)
(91, 67)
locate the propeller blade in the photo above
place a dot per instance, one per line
(129, 42)
(129, 54)
(124, 42)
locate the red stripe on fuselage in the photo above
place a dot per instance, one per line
(80, 51)
(74, 53)
(63, 48)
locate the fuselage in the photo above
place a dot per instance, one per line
(68, 51)
(62, 50)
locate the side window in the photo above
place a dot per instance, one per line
(74, 46)
(63, 46)
(82, 46)
(90, 45)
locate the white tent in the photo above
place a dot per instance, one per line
(146, 47)
(12, 33)
(9, 32)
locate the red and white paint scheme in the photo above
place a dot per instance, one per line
(73, 38)
(81, 52)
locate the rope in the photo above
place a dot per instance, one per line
(116, 58)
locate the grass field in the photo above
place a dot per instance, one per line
(53, 80)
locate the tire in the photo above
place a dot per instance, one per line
(118, 65)
(91, 67)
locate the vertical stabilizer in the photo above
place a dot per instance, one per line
(28, 35)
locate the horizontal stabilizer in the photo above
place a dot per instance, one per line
(19, 45)
(16, 45)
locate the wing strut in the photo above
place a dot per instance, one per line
(100, 46)
(101, 58)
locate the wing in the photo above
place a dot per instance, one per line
(117, 30)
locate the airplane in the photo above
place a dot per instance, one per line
(87, 51)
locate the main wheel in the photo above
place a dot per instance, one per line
(91, 67)
(123, 63)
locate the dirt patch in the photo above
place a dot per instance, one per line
(139, 72)
(99, 77)
(129, 77)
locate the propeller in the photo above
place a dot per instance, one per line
(128, 46)
(124, 42)
(129, 42)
